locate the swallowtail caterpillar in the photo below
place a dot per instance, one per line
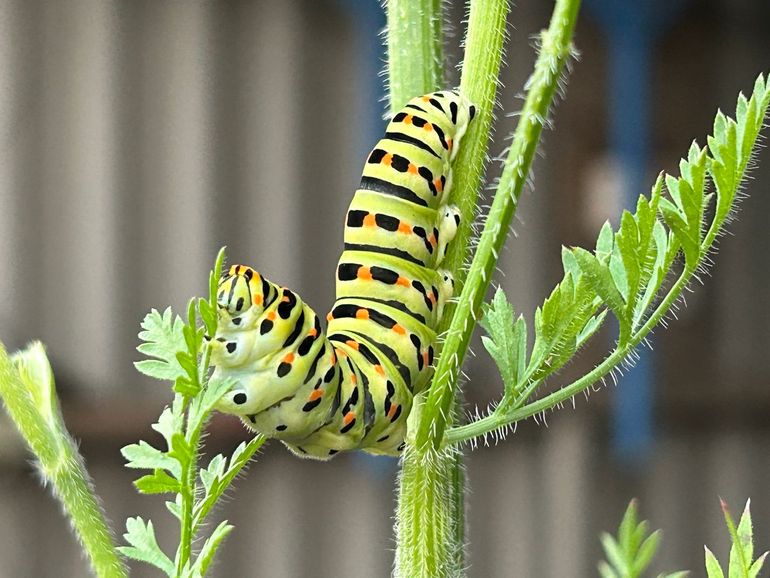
(352, 387)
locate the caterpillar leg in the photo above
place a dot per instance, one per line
(445, 291)
(450, 221)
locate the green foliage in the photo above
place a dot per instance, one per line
(632, 550)
(162, 338)
(629, 274)
(742, 563)
(180, 355)
(144, 545)
(507, 341)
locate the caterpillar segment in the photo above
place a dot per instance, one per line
(351, 386)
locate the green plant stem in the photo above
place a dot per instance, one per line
(188, 502)
(495, 420)
(74, 489)
(205, 507)
(478, 83)
(426, 525)
(554, 52)
(415, 55)
(27, 388)
(189, 476)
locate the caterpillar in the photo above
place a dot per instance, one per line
(352, 386)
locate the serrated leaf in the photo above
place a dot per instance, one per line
(742, 549)
(185, 387)
(241, 456)
(157, 369)
(145, 456)
(569, 263)
(188, 363)
(213, 472)
(659, 248)
(181, 450)
(209, 550)
(192, 336)
(713, 570)
(167, 424)
(631, 250)
(600, 280)
(558, 322)
(208, 314)
(158, 482)
(618, 273)
(203, 404)
(175, 507)
(731, 145)
(507, 341)
(163, 338)
(144, 546)
(590, 328)
(676, 221)
(634, 548)
(605, 242)
(237, 453)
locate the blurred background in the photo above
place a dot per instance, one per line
(139, 136)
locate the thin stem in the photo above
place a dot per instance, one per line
(497, 420)
(244, 458)
(415, 56)
(188, 502)
(479, 80)
(426, 526)
(75, 490)
(554, 52)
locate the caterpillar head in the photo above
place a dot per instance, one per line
(241, 297)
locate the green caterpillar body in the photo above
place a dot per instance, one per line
(352, 387)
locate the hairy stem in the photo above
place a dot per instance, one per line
(554, 52)
(497, 420)
(415, 54)
(425, 523)
(478, 83)
(27, 389)
(483, 56)
(187, 492)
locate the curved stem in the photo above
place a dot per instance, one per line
(28, 391)
(497, 420)
(555, 49)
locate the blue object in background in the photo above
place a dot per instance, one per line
(633, 27)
